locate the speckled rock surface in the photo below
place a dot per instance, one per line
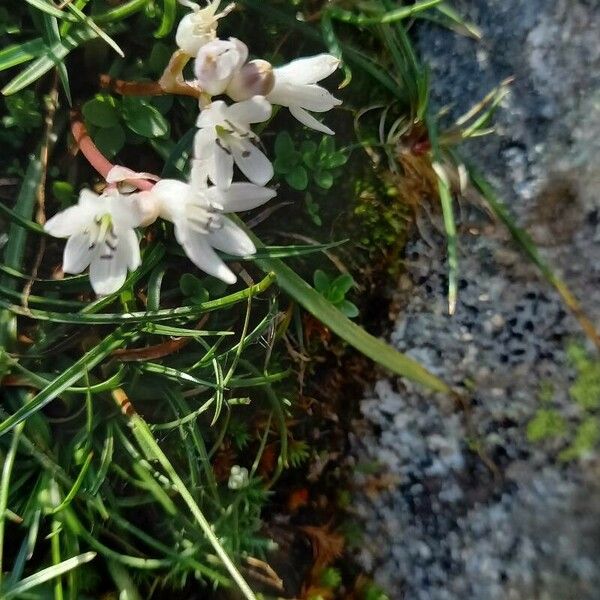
(473, 509)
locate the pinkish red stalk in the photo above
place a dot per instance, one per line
(96, 158)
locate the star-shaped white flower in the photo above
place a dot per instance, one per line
(100, 232)
(199, 27)
(225, 137)
(217, 62)
(295, 87)
(201, 226)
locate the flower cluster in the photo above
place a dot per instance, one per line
(101, 229)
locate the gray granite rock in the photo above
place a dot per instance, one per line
(528, 527)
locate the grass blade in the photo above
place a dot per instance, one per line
(356, 336)
(65, 380)
(527, 245)
(47, 575)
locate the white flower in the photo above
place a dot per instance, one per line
(225, 137)
(200, 225)
(200, 26)
(217, 62)
(238, 478)
(295, 87)
(101, 234)
(255, 78)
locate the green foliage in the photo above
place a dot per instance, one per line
(582, 437)
(112, 121)
(586, 388)
(335, 290)
(298, 453)
(374, 592)
(331, 578)
(298, 165)
(23, 111)
(382, 217)
(547, 423)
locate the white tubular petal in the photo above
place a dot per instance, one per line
(221, 168)
(240, 196)
(77, 255)
(130, 247)
(204, 141)
(252, 162)
(212, 115)
(255, 110)
(307, 119)
(200, 252)
(89, 199)
(308, 70)
(231, 239)
(119, 173)
(107, 275)
(70, 221)
(170, 195)
(125, 211)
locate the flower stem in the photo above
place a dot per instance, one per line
(95, 157)
(170, 82)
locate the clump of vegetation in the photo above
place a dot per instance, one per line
(578, 439)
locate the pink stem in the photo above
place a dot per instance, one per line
(96, 158)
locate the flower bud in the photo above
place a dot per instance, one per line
(147, 207)
(217, 62)
(253, 79)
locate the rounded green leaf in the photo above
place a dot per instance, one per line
(101, 111)
(349, 309)
(321, 280)
(144, 119)
(109, 140)
(284, 145)
(323, 179)
(297, 178)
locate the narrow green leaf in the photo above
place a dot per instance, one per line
(66, 379)
(84, 318)
(14, 55)
(47, 575)
(356, 336)
(168, 18)
(49, 9)
(51, 57)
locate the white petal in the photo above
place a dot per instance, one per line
(77, 254)
(308, 70)
(221, 167)
(212, 115)
(200, 252)
(255, 110)
(231, 239)
(171, 196)
(199, 173)
(240, 196)
(70, 221)
(252, 162)
(310, 97)
(307, 119)
(108, 275)
(130, 248)
(125, 211)
(89, 199)
(119, 173)
(204, 141)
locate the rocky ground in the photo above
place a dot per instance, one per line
(469, 508)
